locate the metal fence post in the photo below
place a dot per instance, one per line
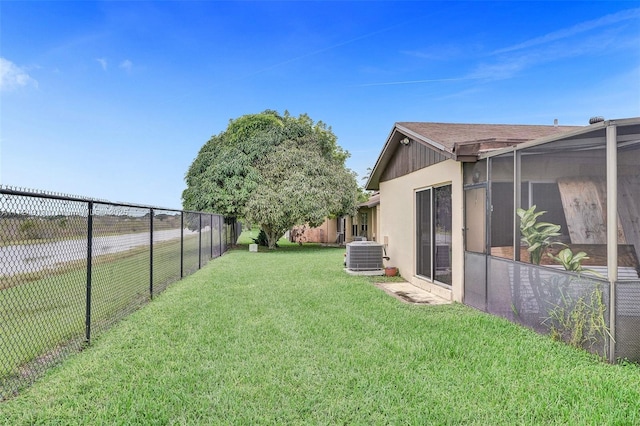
(87, 324)
(612, 231)
(210, 236)
(199, 240)
(226, 234)
(181, 244)
(151, 214)
(220, 225)
(234, 232)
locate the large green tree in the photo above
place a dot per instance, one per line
(275, 170)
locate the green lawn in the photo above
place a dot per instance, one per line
(41, 313)
(286, 337)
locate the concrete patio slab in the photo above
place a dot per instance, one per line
(409, 293)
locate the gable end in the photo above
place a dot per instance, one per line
(408, 159)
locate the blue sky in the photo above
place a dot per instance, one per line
(113, 100)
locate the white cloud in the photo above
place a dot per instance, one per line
(503, 69)
(608, 20)
(561, 45)
(430, 80)
(440, 52)
(103, 63)
(13, 77)
(126, 65)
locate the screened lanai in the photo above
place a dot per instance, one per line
(552, 236)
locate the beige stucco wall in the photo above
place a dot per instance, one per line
(348, 235)
(331, 227)
(325, 233)
(397, 221)
(372, 230)
(374, 223)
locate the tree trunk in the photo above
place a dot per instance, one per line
(272, 236)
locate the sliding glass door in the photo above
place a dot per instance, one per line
(433, 239)
(423, 227)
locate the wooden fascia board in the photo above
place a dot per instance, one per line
(368, 204)
(466, 149)
(466, 158)
(383, 159)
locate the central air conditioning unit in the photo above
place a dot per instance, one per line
(364, 256)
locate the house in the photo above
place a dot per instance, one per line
(343, 229)
(365, 223)
(449, 198)
(419, 175)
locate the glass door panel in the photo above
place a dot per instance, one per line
(442, 228)
(475, 219)
(423, 238)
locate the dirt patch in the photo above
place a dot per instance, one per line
(407, 297)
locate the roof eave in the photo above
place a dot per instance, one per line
(556, 137)
(390, 146)
(421, 138)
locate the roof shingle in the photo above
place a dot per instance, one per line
(450, 134)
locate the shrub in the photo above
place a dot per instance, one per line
(262, 240)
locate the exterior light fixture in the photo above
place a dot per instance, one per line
(405, 141)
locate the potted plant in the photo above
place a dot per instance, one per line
(390, 271)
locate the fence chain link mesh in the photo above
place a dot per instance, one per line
(72, 267)
(167, 234)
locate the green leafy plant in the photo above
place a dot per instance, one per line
(573, 262)
(579, 322)
(569, 260)
(536, 235)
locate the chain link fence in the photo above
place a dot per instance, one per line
(71, 267)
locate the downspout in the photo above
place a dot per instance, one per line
(612, 232)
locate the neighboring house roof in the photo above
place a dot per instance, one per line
(373, 201)
(458, 141)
